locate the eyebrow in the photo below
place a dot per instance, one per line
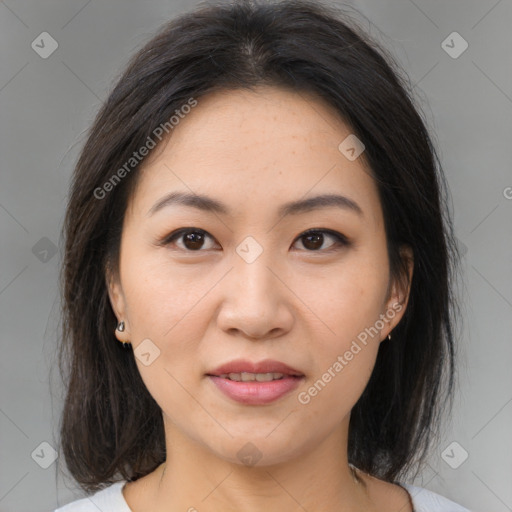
(208, 204)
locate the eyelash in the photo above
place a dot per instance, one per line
(340, 239)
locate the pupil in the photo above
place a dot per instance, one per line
(317, 237)
(195, 239)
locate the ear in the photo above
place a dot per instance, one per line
(398, 296)
(118, 303)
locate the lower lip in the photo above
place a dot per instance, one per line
(254, 392)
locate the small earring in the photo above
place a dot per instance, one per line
(389, 336)
(120, 328)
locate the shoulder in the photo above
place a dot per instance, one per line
(427, 501)
(111, 499)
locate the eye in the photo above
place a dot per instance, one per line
(314, 239)
(193, 239)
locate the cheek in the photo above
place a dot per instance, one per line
(167, 318)
(164, 298)
(347, 305)
(346, 299)
(165, 308)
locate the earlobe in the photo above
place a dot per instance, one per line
(402, 286)
(399, 297)
(117, 302)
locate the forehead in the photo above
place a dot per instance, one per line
(246, 147)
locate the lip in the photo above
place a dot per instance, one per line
(255, 392)
(265, 366)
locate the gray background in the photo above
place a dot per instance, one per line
(47, 104)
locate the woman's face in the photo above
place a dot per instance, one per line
(244, 282)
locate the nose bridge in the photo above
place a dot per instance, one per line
(252, 275)
(253, 300)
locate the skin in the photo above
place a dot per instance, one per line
(299, 303)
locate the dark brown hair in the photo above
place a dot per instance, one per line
(111, 427)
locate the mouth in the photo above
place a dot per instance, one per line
(255, 383)
(268, 369)
(252, 377)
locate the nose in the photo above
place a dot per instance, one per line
(255, 300)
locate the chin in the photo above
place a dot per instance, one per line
(255, 449)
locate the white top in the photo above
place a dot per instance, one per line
(111, 499)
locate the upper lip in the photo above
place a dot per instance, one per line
(265, 366)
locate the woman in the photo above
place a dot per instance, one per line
(257, 284)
